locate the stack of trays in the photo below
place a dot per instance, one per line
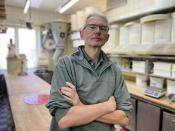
(162, 69)
(138, 66)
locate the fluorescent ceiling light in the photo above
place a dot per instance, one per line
(67, 6)
(27, 5)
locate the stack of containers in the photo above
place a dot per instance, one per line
(173, 28)
(162, 69)
(148, 29)
(171, 83)
(170, 87)
(163, 29)
(130, 33)
(138, 66)
(173, 71)
(134, 32)
(113, 39)
(124, 35)
(156, 29)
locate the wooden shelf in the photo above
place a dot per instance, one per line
(158, 57)
(145, 13)
(169, 78)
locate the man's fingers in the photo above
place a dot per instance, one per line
(66, 92)
(112, 98)
(66, 89)
(70, 85)
(67, 98)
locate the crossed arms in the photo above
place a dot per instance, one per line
(81, 114)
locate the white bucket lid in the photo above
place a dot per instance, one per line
(131, 23)
(114, 26)
(154, 18)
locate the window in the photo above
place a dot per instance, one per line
(27, 45)
(5, 40)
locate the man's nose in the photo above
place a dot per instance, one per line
(97, 29)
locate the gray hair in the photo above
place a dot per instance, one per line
(94, 14)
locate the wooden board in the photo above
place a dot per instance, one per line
(28, 117)
(26, 84)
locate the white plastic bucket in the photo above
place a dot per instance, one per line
(113, 40)
(163, 30)
(173, 28)
(124, 35)
(133, 32)
(156, 29)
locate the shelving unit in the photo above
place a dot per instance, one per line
(145, 13)
(145, 104)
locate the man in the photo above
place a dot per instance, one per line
(88, 91)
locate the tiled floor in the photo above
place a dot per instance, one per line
(5, 116)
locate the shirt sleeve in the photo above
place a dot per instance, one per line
(121, 94)
(58, 105)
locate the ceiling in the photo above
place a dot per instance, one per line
(52, 5)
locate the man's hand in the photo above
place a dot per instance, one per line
(111, 103)
(71, 94)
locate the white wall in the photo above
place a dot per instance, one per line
(15, 16)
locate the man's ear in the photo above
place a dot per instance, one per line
(81, 34)
(107, 38)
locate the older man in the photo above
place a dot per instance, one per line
(88, 91)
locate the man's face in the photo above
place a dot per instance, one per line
(95, 33)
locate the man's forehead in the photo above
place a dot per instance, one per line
(96, 19)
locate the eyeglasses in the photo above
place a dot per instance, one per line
(93, 27)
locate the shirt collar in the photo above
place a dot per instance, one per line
(88, 59)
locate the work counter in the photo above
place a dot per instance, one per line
(139, 92)
(36, 117)
(28, 117)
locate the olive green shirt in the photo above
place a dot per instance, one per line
(95, 67)
(92, 88)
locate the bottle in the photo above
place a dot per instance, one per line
(11, 49)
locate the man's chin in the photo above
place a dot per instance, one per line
(98, 44)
